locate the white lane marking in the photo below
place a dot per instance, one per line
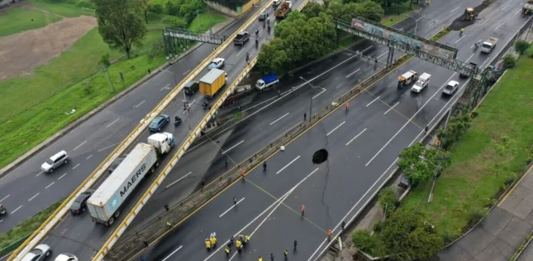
(38, 174)
(259, 104)
(239, 53)
(355, 137)
(178, 180)
(111, 123)
(33, 197)
(391, 108)
(166, 87)
(381, 55)
(334, 129)
(88, 157)
(412, 117)
(1, 220)
(366, 49)
(62, 176)
(15, 210)
(318, 94)
(186, 72)
(79, 146)
(230, 208)
(374, 100)
(460, 38)
(274, 205)
(139, 104)
(232, 147)
(498, 26)
(453, 10)
(517, 11)
(5, 197)
(352, 73)
(288, 164)
(76, 166)
(172, 253)
(49, 185)
(278, 119)
(106, 147)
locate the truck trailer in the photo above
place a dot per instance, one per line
(105, 203)
(212, 82)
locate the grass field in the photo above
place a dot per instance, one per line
(34, 107)
(36, 14)
(495, 150)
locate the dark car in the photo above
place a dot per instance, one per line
(191, 87)
(241, 38)
(263, 16)
(177, 121)
(3, 210)
(80, 203)
(158, 123)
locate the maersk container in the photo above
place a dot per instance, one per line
(105, 202)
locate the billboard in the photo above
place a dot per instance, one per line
(407, 42)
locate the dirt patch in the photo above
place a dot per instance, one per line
(21, 53)
(460, 22)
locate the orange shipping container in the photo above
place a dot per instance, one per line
(212, 82)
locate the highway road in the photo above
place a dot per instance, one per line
(363, 144)
(80, 235)
(25, 190)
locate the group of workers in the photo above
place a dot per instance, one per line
(240, 243)
(211, 241)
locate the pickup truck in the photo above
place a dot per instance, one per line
(487, 46)
(267, 81)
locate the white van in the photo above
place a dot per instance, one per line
(422, 82)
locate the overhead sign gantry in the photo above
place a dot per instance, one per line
(424, 49)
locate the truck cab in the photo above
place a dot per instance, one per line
(407, 78)
(422, 83)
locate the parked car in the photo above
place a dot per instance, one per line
(158, 123)
(55, 161)
(241, 38)
(80, 203)
(217, 63)
(66, 257)
(450, 88)
(3, 210)
(39, 253)
(191, 87)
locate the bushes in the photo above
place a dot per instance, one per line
(509, 61)
(457, 126)
(521, 46)
(388, 200)
(370, 244)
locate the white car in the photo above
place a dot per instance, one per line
(217, 63)
(66, 257)
(55, 161)
(422, 83)
(39, 253)
(450, 88)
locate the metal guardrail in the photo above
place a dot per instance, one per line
(54, 219)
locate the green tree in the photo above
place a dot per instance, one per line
(312, 9)
(521, 46)
(120, 23)
(509, 61)
(370, 244)
(420, 164)
(407, 235)
(457, 126)
(388, 200)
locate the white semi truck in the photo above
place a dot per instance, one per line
(104, 204)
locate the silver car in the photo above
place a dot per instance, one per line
(66, 257)
(39, 253)
(55, 161)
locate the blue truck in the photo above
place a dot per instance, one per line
(266, 81)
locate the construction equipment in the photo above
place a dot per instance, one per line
(470, 14)
(283, 10)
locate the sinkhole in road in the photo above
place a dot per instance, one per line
(320, 156)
